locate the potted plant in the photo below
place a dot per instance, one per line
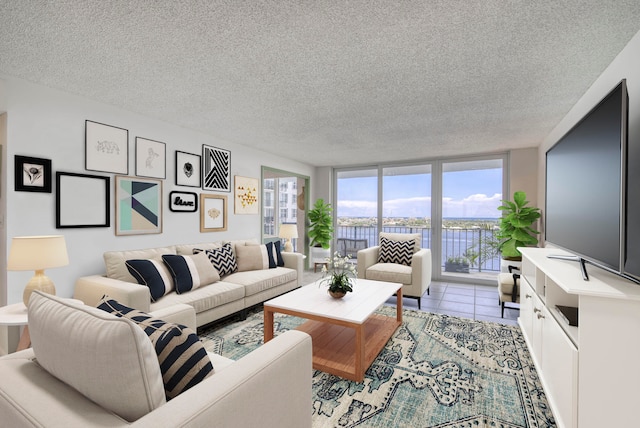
(338, 273)
(459, 264)
(516, 226)
(320, 230)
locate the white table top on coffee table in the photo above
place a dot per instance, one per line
(355, 307)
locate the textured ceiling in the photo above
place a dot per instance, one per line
(327, 82)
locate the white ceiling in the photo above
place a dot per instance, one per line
(327, 82)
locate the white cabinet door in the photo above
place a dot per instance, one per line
(560, 371)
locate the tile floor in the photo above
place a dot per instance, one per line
(479, 302)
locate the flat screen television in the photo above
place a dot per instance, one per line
(586, 187)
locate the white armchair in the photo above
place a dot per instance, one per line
(415, 278)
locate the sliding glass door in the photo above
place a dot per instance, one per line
(451, 203)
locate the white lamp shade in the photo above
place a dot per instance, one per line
(37, 252)
(288, 231)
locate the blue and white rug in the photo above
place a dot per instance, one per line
(435, 371)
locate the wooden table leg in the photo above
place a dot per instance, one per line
(268, 325)
(25, 339)
(399, 305)
(359, 354)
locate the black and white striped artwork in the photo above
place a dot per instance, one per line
(216, 169)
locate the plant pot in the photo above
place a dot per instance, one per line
(337, 294)
(456, 267)
(506, 262)
(319, 254)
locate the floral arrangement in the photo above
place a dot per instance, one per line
(338, 273)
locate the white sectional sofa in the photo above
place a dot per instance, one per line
(253, 283)
(83, 356)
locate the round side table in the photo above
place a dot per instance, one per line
(13, 317)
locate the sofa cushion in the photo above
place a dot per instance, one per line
(190, 272)
(116, 268)
(182, 357)
(153, 274)
(223, 259)
(275, 255)
(400, 252)
(389, 272)
(252, 257)
(107, 359)
(187, 249)
(256, 281)
(204, 298)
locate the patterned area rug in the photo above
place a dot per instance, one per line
(436, 371)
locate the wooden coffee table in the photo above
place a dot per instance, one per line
(347, 335)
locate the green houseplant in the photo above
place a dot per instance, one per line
(338, 273)
(320, 225)
(515, 226)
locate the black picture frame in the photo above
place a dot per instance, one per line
(82, 200)
(32, 174)
(188, 169)
(183, 202)
(106, 148)
(216, 169)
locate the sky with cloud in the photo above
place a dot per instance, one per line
(466, 194)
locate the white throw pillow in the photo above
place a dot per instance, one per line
(108, 359)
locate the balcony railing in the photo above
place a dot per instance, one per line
(476, 246)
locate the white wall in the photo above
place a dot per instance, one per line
(47, 123)
(625, 66)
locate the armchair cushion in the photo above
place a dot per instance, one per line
(107, 359)
(415, 237)
(182, 358)
(390, 272)
(399, 252)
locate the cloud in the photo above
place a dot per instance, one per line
(473, 206)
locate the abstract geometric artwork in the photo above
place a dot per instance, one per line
(188, 169)
(246, 195)
(138, 206)
(213, 213)
(106, 148)
(216, 169)
(150, 158)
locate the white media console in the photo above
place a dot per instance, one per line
(590, 372)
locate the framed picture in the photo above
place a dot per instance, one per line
(183, 202)
(216, 169)
(213, 213)
(82, 200)
(188, 170)
(246, 195)
(32, 174)
(150, 158)
(138, 206)
(106, 148)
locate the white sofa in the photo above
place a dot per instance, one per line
(90, 349)
(415, 278)
(233, 293)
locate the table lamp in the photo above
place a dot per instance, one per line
(37, 253)
(287, 232)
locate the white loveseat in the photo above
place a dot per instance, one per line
(91, 353)
(233, 293)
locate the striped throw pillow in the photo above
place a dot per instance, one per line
(190, 272)
(221, 258)
(153, 274)
(182, 357)
(399, 252)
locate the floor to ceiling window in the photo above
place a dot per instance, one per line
(451, 203)
(471, 195)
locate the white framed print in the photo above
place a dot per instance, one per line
(150, 158)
